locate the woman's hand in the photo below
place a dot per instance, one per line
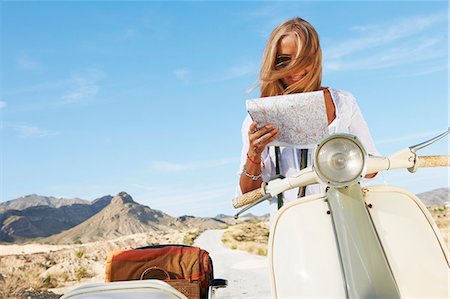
(259, 139)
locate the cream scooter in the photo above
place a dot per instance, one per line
(354, 242)
(350, 242)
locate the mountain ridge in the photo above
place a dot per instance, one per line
(32, 200)
(104, 218)
(112, 216)
(44, 220)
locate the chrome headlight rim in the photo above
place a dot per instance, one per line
(327, 181)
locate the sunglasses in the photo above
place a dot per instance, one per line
(282, 61)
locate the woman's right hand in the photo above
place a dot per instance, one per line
(259, 139)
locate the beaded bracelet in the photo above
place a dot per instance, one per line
(253, 177)
(256, 163)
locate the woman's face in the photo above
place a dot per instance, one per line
(287, 49)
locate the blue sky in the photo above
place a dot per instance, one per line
(149, 97)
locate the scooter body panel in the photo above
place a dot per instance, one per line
(303, 255)
(413, 245)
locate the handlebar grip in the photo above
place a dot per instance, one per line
(433, 161)
(248, 198)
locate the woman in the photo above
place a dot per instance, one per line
(292, 63)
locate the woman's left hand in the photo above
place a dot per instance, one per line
(259, 139)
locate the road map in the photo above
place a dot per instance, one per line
(300, 118)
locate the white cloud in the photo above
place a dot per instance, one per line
(377, 35)
(363, 28)
(170, 167)
(442, 67)
(29, 131)
(234, 72)
(2, 104)
(415, 138)
(24, 61)
(84, 86)
(38, 88)
(182, 74)
(421, 50)
(382, 46)
(82, 91)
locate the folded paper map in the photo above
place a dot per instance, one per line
(300, 118)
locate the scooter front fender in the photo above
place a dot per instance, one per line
(305, 259)
(303, 254)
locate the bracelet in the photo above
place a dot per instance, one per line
(253, 177)
(261, 163)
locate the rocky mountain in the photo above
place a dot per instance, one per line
(439, 196)
(45, 220)
(230, 220)
(122, 217)
(221, 216)
(102, 219)
(201, 222)
(34, 200)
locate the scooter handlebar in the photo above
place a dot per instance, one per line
(433, 161)
(405, 159)
(248, 198)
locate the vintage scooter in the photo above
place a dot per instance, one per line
(350, 242)
(354, 242)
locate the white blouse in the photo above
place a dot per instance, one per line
(348, 120)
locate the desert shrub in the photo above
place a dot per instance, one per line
(80, 273)
(79, 253)
(11, 286)
(262, 251)
(190, 238)
(65, 276)
(251, 236)
(77, 241)
(48, 282)
(253, 221)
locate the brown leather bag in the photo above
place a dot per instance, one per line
(187, 268)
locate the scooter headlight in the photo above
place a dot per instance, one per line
(340, 160)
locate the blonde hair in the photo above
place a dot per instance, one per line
(308, 53)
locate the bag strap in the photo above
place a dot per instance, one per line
(155, 273)
(278, 172)
(303, 164)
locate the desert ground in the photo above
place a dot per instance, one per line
(38, 271)
(41, 271)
